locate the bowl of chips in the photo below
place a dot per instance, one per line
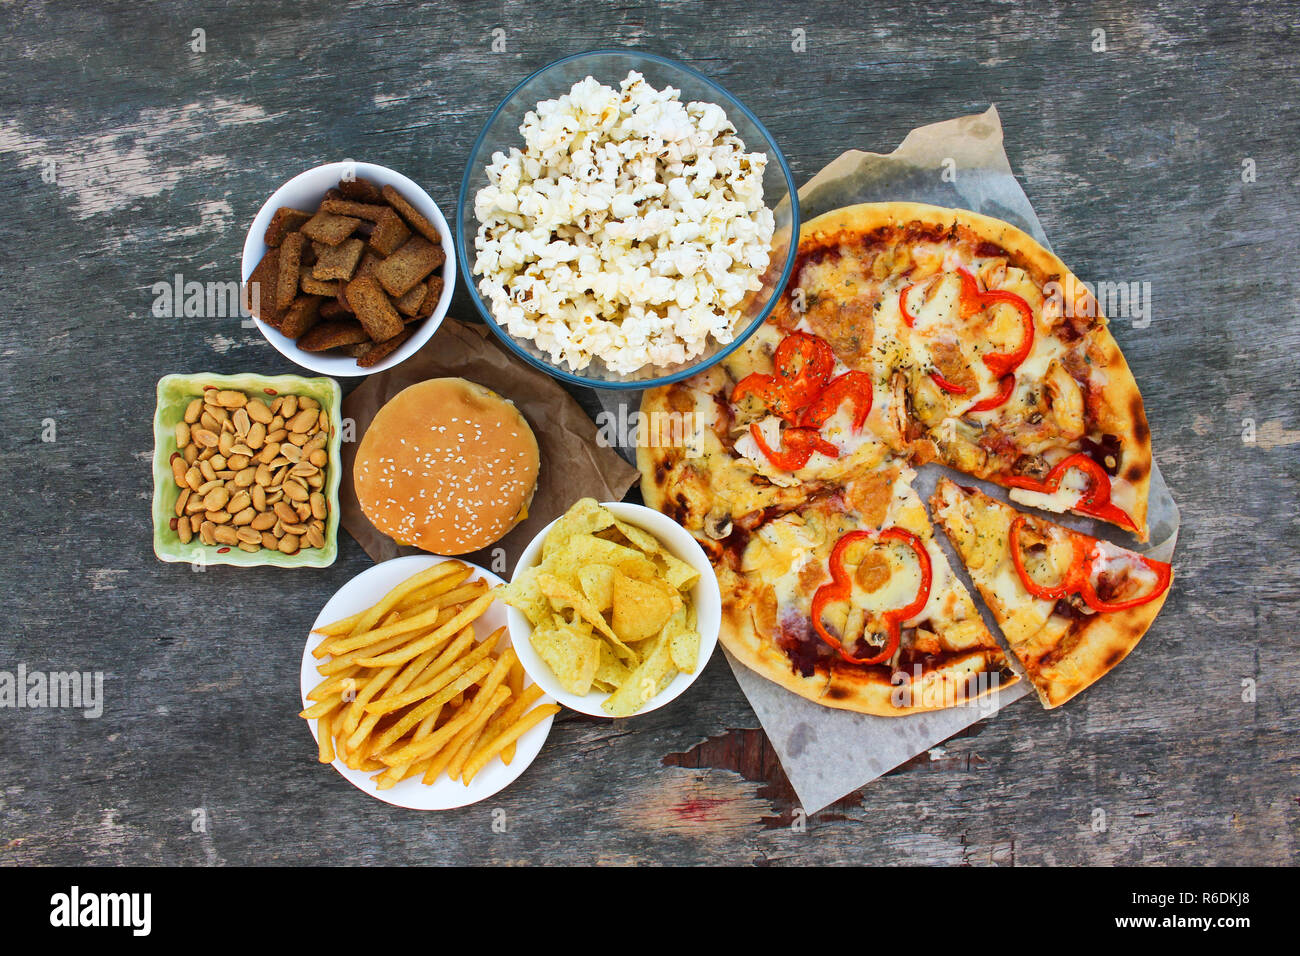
(613, 609)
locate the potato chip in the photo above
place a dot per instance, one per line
(639, 538)
(609, 608)
(684, 642)
(572, 656)
(597, 582)
(677, 572)
(641, 608)
(562, 595)
(584, 517)
(524, 595)
(644, 682)
(611, 670)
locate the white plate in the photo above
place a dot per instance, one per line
(305, 191)
(705, 595)
(360, 593)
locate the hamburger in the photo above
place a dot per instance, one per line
(447, 466)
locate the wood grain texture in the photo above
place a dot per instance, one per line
(161, 156)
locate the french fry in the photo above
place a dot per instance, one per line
(320, 709)
(427, 725)
(323, 648)
(508, 736)
(368, 690)
(340, 682)
(470, 613)
(444, 756)
(392, 673)
(527, 697)
(516, 684)
(325, 739)
(390, 600)
(428, 593)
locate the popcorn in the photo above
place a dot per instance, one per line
(630, 228)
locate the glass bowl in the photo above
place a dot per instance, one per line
(610, 67)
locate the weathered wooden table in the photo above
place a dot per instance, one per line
(137, 144)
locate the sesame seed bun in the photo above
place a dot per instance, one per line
(447, 466)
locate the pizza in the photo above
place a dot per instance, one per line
(1071, 606)
(907, 334)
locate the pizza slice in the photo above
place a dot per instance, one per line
(1070, 606)
(848, 601)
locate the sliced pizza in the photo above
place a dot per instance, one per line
(908, 334)
(1070, 606)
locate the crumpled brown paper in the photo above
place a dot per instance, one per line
(573, 464)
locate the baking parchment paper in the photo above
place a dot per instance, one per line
(574, 463)
(829, 753)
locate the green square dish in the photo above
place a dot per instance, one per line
(174, 393)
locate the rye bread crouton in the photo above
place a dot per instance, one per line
(286, 286)
(373, 309)
(409, 265)
(259, 292)
(413, 217)
(330, 308)
(381, 350)
(285, 221)
(328, 228)
(434, 285)
(333, 335)
(360, 189)
(389, 233)
(302, 315)
(313, 286)
(409, 304)
(358, 210)
(337, 262)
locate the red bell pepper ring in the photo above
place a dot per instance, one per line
(798, 444)
(1006, 386)
(841, 589)
(999, 363)
(803, 367)
(1095, 499)
(1078, 576)
(852, 386)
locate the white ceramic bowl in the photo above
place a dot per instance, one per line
(443, 794)
(305, 191)
(705, 596)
